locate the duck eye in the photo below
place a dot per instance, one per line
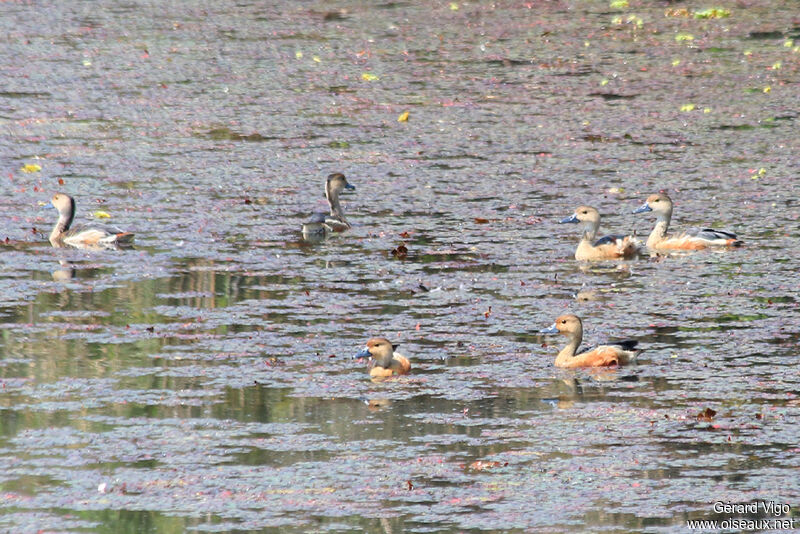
(564, 321)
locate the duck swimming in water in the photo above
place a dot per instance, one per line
(321, 224)
(387, 362)
(64, 235)
(695, 239)
(609, 247)
(316, 228)
(619, 353)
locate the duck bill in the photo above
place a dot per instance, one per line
(550, 330)
(350, 187)
(363, 353)
(571, 219)
(643, 208)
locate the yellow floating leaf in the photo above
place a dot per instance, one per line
(100, 214)
(706, 110)
(712, 13)
(298, 55)
(676, 62)
(776, 65)
(687, 107)
(31, 167)
(788, 43)
(603, 82)
(748, 52)
(368, 77)
(677, 12)
(453, 6)
(403, 117)
(684, 37)
(767, 89)
(618, 4)
(316, 59)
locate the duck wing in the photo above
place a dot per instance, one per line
(711, 234)
(608, 240)
(627, 344)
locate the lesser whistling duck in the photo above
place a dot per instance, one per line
(696, 239)
(387, 362)
(322, 224)
(63, 233)
(606, 248)
(619, 353)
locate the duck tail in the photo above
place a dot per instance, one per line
(124, 237)
(734, 243)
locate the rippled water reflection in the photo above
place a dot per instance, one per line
(203, 380)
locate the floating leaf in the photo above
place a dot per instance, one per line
(298, 55)
(776, 65)
(316, 59)
(687, 107)
(706, 110)
(603, 82)
(401, 252)
(676, 62)
(482, 465)
(453, 6)
(369, 77)
(403, 117)
(60, 181)
(712, 13)
(706, 415)
(684, 37)
(31, 167)
(100, 214)
(767, 89)
(677, 12)
(618, 4)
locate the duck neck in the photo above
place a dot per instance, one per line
(660, 231)
(63, 224)
(568, 352)
(333, 201)
(590, 231)
(384, 361)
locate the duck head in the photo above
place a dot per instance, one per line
(568, 325)
(658, 203)
(65, 204)
(336, 183)
(380, 350)
(583, 214)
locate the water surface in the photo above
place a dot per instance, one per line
(203, 382)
